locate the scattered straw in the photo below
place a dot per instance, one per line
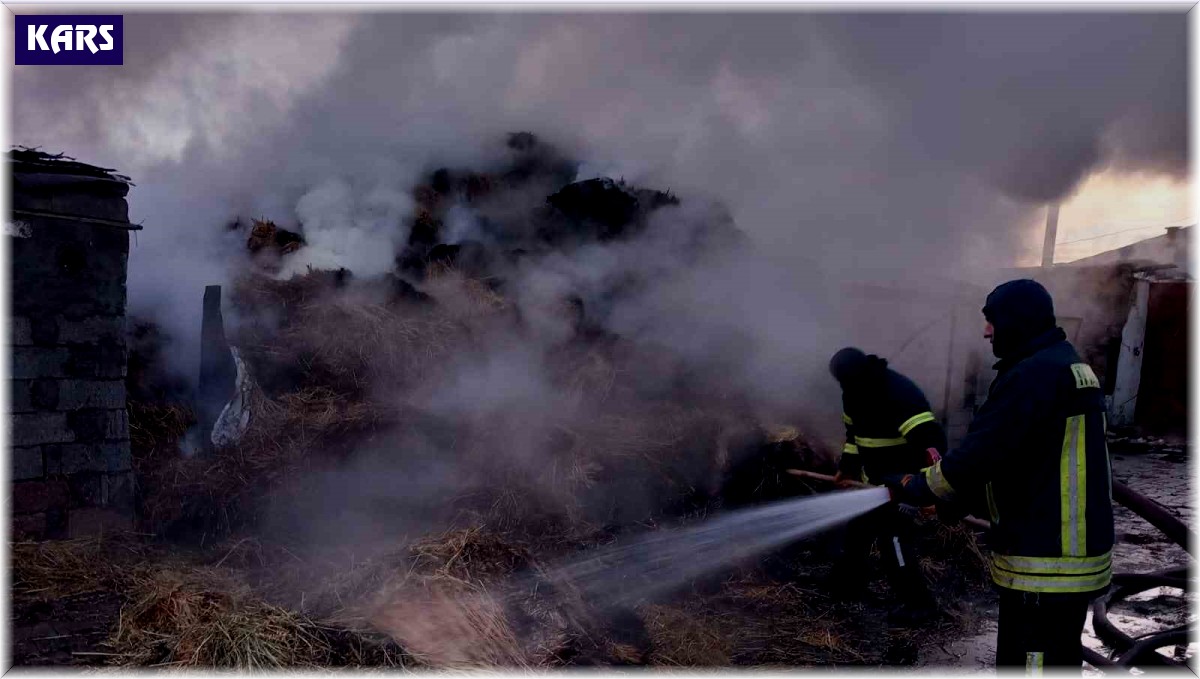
(206, 619)
(468, 554)
(449, 624)
(61, 568)
(681, 637)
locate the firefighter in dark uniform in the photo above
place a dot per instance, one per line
(889, 431)
(1036, 456)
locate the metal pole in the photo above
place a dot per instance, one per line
(1051, 236)
(218, 374)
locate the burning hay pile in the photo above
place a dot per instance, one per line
(175, 612)
(463, 345)
(207, 618)
(422, 444)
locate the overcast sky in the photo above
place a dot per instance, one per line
(914, 141)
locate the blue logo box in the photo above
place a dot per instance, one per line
(69, 40)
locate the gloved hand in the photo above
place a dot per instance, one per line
(842, 480)
(895, 484)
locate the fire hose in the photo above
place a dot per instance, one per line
(1127, 651)
(1142, 651)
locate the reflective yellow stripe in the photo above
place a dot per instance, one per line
(846, 419)
(850, 448)
(1061, 565)
(1088, 582)
(993, 510)
(920, 418)
(1084, 377)
(878, 443)
(1073, 487)
(1052, 574)
(1081, 497)
(1033, 664)
(937, 482)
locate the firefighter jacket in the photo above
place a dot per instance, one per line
(888, 426)
(1036, 456)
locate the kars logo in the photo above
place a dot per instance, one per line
(69, 40)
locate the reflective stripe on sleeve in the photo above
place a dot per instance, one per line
(937, 482)
(1073, 487)
(865, 442)
(919, 418)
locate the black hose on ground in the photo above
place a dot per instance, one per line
(1127, 651)
(1095, 659)
(1145, 652)
(1104, 629)
(1156, 515)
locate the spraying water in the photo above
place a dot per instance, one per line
(624, 575)
(469, 628)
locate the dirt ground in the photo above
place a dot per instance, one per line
(71, 629)
(1163, 475)
(64, 632)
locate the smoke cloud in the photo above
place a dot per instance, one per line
(874, 138)
(848, 147)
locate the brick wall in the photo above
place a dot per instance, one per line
(70, 461)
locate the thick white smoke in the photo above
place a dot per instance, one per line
(344, 229)
(848, 146)
(884, 138)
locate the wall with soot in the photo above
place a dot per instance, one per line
(70, 464)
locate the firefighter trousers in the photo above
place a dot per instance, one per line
(1040, 630)
(894, 534)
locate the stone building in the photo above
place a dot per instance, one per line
(68, 232)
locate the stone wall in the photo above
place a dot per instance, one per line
(70, 458)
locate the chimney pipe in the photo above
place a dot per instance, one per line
(1176, 247)
(1051, 236)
